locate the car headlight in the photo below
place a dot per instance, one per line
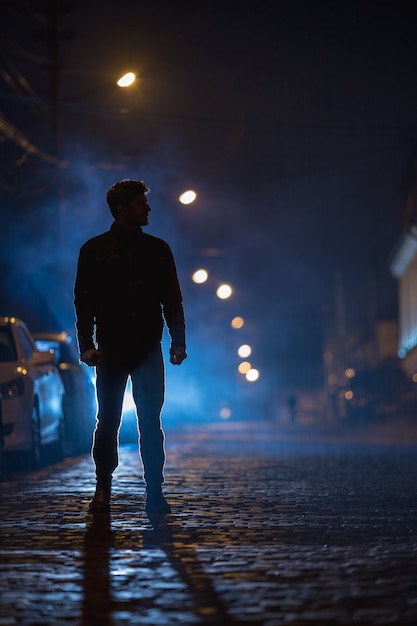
(12, 389)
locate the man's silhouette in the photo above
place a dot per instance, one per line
(126, 286)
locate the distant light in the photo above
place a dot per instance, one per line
(244, 351)
(350, 372)
(224, 291)
(237, 322)
(414, 378)
(127, 79)
(252, 375)
(225, 413)
(244, 367)
(349, 395)
(128, 401)
(200, 276)
(188, 197)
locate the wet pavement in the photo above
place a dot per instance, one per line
(267, 528)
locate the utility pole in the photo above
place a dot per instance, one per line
(49, 12)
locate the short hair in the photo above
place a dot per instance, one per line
(123, 192)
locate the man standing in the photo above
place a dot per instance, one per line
(126, 286)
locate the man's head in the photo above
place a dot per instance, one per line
(122, 193)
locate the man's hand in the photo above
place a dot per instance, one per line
(90, 357)
(177, 355)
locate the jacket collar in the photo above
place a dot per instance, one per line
(123, 234)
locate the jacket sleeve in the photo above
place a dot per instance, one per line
(84, 301)
(172, 306)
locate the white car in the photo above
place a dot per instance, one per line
(32, 392)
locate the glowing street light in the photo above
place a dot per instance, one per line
(244, 351)
(200, 276)
(127, 79)
(237, 322)
(224, 291)
(188, 197)
(244, 367)
(252, 375)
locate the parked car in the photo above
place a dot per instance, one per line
(32, 393)
(80, 405)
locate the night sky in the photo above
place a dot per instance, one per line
(295, 122)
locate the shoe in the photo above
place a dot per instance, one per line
(101, 501)
(156, 503)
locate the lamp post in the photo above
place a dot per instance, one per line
(60, 105)
(127, 79)
(62, 270)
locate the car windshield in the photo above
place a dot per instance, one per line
(7, 345)
(44, 345)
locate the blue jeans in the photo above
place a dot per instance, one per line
(148, 387)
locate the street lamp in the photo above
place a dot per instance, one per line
(244, 367)
(126, 80)
(68, 103)
(237, 322)
(224, 291)
(252, 375)
(188, 197)
(244, 351)
(72, 103)
(200, 276)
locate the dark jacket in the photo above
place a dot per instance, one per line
(126, 285)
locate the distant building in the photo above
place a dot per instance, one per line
(403, 267)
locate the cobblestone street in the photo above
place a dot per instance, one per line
(264, 530)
